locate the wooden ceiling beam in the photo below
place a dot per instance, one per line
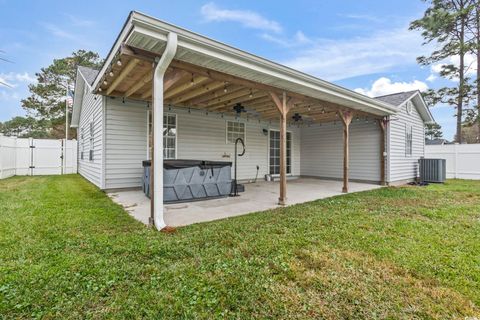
(142, 82)
(199, 91)
(244, 99)
(123, 73)
(226, 99)
(197, 80)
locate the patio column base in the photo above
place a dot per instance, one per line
(282, 202)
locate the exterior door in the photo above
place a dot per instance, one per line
(274, 152)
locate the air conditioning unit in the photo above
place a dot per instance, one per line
(433, 170)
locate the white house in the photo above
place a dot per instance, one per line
(293, 124)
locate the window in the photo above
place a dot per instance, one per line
(235, 130)
(274, 152)
(82, 143)
(408, 140)
(169, 136)
(90, 153)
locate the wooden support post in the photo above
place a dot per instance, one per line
(383, 126)
(346, 117)
(283, 107)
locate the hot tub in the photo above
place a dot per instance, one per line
(191, 180)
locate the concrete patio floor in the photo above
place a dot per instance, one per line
(258, 196)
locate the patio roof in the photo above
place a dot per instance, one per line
(210, 75)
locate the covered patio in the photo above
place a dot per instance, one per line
(258, 196)
(170, 67)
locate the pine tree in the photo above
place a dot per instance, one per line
(445, 23)
(47, 99)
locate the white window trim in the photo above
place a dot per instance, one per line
(176, 133)
(244, 131)
(91, 137)
(268, 153)
(408, 150)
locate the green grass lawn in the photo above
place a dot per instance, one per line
(67, 251)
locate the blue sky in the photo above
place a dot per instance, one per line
(362, 45)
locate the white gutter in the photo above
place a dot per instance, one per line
(159, 74)
(156, 29)
(206, 46)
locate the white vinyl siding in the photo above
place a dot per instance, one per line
(401, 166)
(322, 150)
(126, 143)
(202, 136)
(90, 128)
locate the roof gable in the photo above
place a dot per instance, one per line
(89, 74)
(400, 98)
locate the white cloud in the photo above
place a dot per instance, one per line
(79, 22)
(247, 18)
(470, 64)
(346, 58)
(299, 39)
(384, 86)
(57, 31)
(12, 79)
(364, 17)
(431, 78)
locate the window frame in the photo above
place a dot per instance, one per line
(91, 127)
(408, 140)
(169, 114)
(289, 132)
(244, 138)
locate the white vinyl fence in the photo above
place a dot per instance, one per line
(29, 156)
(463, 160)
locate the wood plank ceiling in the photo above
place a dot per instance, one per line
(197, 88)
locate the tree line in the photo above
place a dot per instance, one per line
(453, 28)
(45, 106)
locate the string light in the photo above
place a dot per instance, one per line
(105, 82)
(100, 89)
(323, 110)
(251, 94)
(309, 108)
(111, 74)
(225, 88)
(119, 63)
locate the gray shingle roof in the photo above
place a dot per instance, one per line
(396, 99)
(88, 73)
(435, 142)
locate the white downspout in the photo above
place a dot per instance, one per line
(158, 76)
